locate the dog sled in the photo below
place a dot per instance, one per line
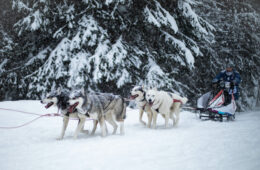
(218, 107)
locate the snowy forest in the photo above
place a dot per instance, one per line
(111, 45)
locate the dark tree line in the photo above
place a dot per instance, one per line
(177, 45)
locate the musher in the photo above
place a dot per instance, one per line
(229, 80)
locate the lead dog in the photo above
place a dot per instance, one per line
(138, 94)
(100, 107)
(168, 104)
(60, 100)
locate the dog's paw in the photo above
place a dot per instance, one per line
(142, 122)
(59, 138)
(85, 131)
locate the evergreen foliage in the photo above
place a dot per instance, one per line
(108, 46)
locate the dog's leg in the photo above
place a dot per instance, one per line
(166, 120)
(112, 122)
(64, 127)
(84, 131)
(103, 126)
(95, 122)
(122, 128)
(172, 117)
(79, 127)
(173, 120)
(154, 119)
(150, 117)
(177, 113)
(141, 112)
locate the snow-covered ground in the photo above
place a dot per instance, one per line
(194, 144)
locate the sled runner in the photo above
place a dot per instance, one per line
(217, 107)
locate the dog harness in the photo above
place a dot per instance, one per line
(177, 101)
(174, 101)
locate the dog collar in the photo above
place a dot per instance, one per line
(143, 98)
(157, 110)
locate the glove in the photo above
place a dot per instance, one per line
(232, 84)
(222, 84)
(214, 85)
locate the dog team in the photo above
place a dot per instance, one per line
(110, 108)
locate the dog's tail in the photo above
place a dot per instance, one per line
(178, 98)
(122, 115)
(184, 100)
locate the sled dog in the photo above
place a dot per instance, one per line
(166, 103)
(100, 107)
(138, 94)
(59, 98)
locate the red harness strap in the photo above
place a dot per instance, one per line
(144, 106)
(176, 101)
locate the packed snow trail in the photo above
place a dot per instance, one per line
(194, 144)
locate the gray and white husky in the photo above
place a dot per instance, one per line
(59, 98)
(100, 107)
(138, 94)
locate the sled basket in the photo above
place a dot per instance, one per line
(214, 108)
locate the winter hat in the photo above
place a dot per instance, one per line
(229, 65)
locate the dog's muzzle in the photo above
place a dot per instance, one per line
(72, 107)
(134, 96)
(49, 105)
(150, 102)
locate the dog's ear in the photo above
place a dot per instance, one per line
(47, 94)
(82, 90)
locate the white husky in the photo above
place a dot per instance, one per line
(166, 103)
(138, 94)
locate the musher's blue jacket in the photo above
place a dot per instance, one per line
(233, 78)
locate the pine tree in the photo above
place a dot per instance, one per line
(107, 45)
(175, 45)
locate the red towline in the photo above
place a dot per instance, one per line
(27, 123)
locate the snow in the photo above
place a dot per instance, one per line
(41, 56)
(78, 64)
(37, 20)
(194, 144)
(160, 16)
(189, 13)
(2, 64)
(183, 50)
(155, 75)
(108, 2)
(21, 6)
(87, 32)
